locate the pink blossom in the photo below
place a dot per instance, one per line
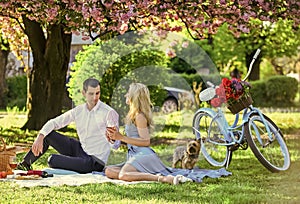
(107, 3)
(185, 44)
(222, 2)
(123, 28)
(173, 43)
(244, 28)
(170, 53)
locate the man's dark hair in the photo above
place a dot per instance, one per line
(92, 82)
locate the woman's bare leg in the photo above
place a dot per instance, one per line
(112, 172)
(129, 173)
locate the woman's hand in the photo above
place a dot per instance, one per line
(112, 134)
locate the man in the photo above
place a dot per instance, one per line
(88, 154)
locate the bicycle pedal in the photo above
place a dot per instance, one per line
(233, 147)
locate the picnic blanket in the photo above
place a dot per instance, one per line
(71, 178)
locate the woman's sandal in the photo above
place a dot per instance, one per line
(181, 179)
(176, 179)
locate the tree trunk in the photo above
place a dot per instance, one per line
(277, 67)
(3, 62)
(47, 78)
(254, 75)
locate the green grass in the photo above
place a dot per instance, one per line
(250, 182)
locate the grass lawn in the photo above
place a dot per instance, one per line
(250, 182)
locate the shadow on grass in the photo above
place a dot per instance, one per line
(16, 135)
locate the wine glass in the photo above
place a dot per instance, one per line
(13, 162)
(112, 123)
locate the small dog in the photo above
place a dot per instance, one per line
(187, 155)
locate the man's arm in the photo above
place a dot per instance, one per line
(112, 119)
(53, 124)
(58, 122)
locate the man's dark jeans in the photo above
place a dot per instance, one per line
(71, 155)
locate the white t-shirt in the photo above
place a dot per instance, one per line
(90, 126)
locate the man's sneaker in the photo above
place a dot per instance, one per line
(23, 166)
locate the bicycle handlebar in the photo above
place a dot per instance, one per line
(251, 64)
(210, 84)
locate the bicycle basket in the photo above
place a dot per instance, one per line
(240, 104)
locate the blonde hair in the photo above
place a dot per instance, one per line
(139, 97)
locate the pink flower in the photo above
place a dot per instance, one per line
(220, 91)
(173, 43)
(216, 102)
(107, 3)
(185, 44)
(123, 28)
(170, 52)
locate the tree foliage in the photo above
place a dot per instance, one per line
(225, 50)
(109, 16)
(276, 40)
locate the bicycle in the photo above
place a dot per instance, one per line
(219, 139)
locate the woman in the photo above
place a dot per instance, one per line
(142, 162)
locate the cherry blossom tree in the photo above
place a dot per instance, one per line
(48, 26)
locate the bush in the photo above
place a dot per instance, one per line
(258, 93)
(281, 90)
(277, 91)
(17, 92)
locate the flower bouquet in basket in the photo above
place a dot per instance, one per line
(235, 93)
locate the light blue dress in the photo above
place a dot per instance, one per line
(144, 159)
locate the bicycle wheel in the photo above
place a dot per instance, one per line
(212, 140)
(272, 153)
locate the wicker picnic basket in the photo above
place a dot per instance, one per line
(240, 104)
(4, 155)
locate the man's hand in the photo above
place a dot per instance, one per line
(108, 134)
(37, 146)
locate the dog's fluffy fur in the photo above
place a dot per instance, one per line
(187, 155)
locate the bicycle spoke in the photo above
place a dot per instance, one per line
(213, 141)
(270, 149)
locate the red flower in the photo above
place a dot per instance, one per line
(230, 91)
(226, 82)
